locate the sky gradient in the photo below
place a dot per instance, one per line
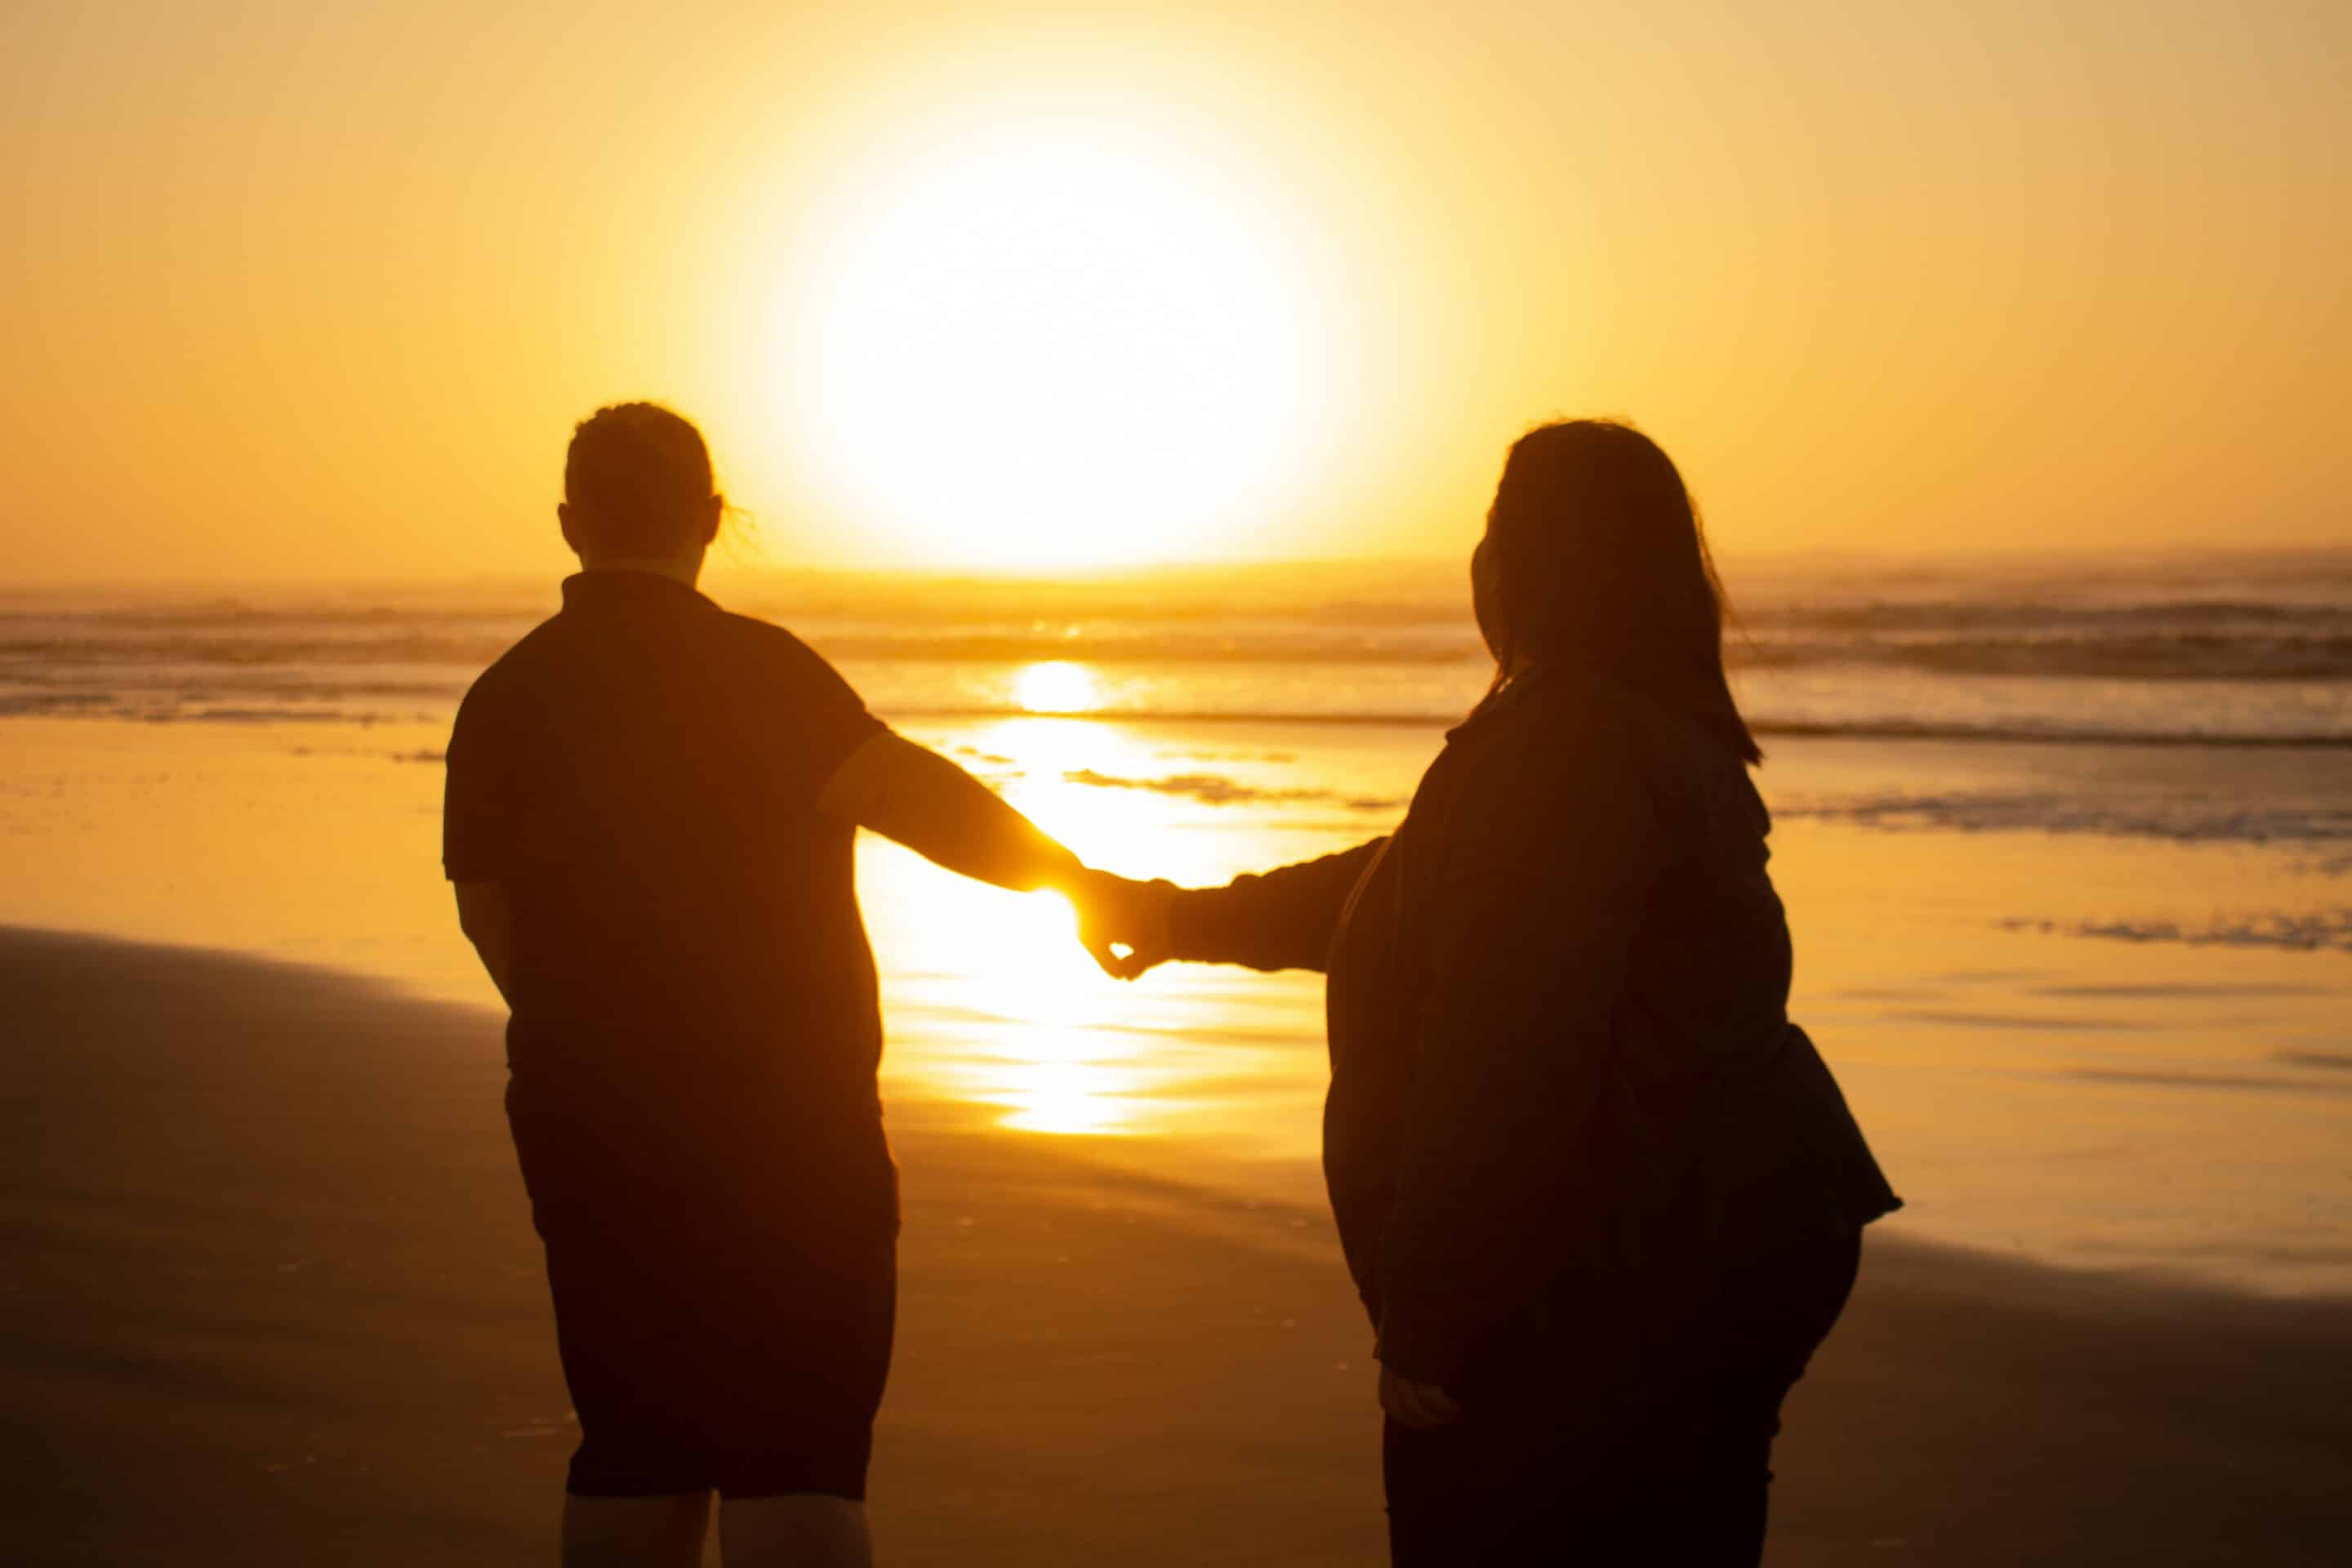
(305, 292)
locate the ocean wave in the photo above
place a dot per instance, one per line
(1913, 616)
(329, 648)
(1217, 789)
(404, 699)
(2323, 930)
(2199, 657)
(2258, 653)
(1993, 629)
(2273, 1083)
(2166, 656)
(2048, 733)
(2186, 818)
(2029, 731)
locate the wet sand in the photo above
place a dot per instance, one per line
(272, 1296)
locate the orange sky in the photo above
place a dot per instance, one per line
(292, 292)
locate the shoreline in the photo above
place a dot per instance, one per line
(275, 1298)
(1899, 732)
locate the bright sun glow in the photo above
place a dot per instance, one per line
(1056, 685)
(992, 999)
(1055, 343)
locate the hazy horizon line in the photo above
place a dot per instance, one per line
(739, 572)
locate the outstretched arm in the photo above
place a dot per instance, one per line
(1276, 920)
(914, 796)
(1283, 918)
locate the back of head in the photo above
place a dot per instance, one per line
(1601, 565)
(639, 484)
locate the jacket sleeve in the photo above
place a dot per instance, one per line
(1524, 924)
(1276, 920)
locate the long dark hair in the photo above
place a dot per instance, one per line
(1599, 563)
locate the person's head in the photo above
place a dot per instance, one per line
(637, 490)
(1593, 559)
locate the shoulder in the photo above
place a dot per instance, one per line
(1556, 759)
(1542, 793)
(767, 645)
(514, 674)
(762, 637)
(1653, 757)
(773, 658)
(1549, 721)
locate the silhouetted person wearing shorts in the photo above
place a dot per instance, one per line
(650, 815)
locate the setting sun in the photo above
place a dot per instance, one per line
(1055, 343)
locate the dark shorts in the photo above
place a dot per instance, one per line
(711, 1356)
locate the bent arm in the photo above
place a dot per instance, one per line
(1283, 918)
(487, 920)
(914, 796)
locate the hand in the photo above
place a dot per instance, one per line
(1114, 914)
(1423, 1406)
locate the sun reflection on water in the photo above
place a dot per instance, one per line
(1066, 1095)
(1057, 686)
(990, 999)
(1054, 1070)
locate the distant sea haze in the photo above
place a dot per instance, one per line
(2256, 654)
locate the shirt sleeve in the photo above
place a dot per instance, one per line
(826, 718)
(476, 810)
(1283, 919)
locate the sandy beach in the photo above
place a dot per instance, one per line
(273, 1297)
(1186, 421)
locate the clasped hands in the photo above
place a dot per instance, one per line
(1123, 923)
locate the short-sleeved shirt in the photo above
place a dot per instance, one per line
(695, 1010)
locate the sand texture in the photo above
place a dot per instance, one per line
(272, 1296)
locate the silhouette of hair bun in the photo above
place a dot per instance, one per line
(637, 478)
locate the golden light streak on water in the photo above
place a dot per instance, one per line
(1057, 686)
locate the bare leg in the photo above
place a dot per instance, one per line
(806, 1530)
(635, 1532)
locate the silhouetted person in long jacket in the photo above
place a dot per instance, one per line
(1601, 1198)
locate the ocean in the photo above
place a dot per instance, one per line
(2198, 650)
(2067, 847)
